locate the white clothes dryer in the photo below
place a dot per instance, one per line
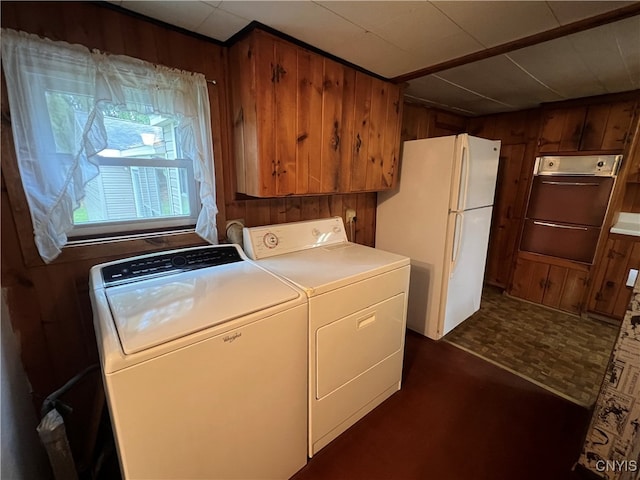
(357, 317)
(204, 364)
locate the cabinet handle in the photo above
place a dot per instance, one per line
(556, 225)
(358, 143)
(335, 138)
(572, 184)
(273, 168)
(276, 72)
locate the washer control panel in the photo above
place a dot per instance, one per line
(271, 240)
(169, 262)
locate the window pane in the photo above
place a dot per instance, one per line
(141, 177)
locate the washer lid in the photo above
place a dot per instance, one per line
(155, 311)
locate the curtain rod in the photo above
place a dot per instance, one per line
(212, 82)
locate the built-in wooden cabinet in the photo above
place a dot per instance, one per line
(305, 124)
(549, 281)
(610, 294)
(600, 127)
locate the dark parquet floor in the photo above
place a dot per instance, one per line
(457, 417)
(561, 352)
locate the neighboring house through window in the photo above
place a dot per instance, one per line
(107, 144)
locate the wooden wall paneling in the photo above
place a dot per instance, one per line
(506, 216)
(366, 212)
(415, 122)
(293, 209)
(594, 127)
(631, 201)
(561, 129)
(258, 212)
(332, 132)
(445, 123)
(310, 208)
(392, 137)
(278, 211)
(309, 136)
(362, 114)
(483, 127)
(285, 86)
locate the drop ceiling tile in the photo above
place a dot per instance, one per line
(611, 52)
(557, 64)
(221, 25)
(500, 79)
(306, 21)
(427, 32)
(187, 15)
(370, 15)
(502, 22)
(568, 12)
(436, 91)
(375, 54)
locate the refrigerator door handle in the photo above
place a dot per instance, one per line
(457, 241)
(464, 177)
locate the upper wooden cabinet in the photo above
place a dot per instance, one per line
(598, 127)
(304, 124)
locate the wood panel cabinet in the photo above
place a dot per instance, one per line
(305, 124)
(560, 285)
(609, 295)
(598, 127)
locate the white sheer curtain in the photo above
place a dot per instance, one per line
(55, 167)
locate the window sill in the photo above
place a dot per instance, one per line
(106, 249)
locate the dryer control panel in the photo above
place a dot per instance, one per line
(169, 262)
(272, 240)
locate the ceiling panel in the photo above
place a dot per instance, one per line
(558, 65)
(438, 92)
(375, 54)
(612, 53)
(570, 11)
(502, 80)
(221, 25)
(427, 33)
(391, 38)
(187, 14)
(306, 21)
(502, 22)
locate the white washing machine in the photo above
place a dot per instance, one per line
(204, 361)
(357, 317)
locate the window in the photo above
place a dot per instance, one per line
(107, 144)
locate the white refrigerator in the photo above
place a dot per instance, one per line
(440, 216)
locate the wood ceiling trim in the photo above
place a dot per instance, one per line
(561, 31)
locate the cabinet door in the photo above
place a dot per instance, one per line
(331, 124)
(561, 130)
(607, 126)
(375, 142)
(529, 280)
(574, 290)
(309, 128)
(610, 296)
(284, 79)
(554, 286)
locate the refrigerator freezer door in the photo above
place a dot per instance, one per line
(477, 169)
(467, 262)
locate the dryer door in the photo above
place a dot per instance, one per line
(352, 345)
